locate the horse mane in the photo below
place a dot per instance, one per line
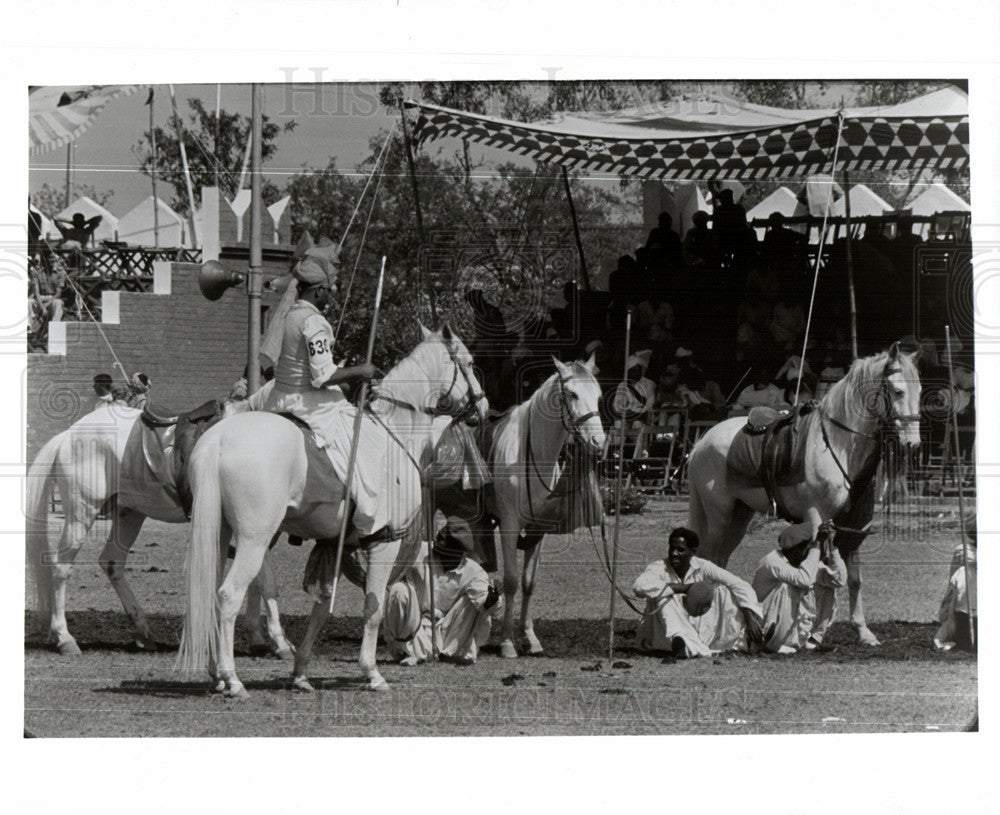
(407, 379)
(850, 395)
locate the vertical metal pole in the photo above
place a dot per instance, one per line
(618, 499)
(850, 266)
(576, 230)
(184, 165)
(416, 204)
(429, 521)
(152, 175)
(256, 262)
(961, 490)
(69, 180)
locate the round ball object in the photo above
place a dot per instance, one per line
(698, 598)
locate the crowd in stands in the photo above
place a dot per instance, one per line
(718, 318)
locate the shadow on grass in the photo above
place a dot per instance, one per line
(179, 689)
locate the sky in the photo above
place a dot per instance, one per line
(338, 123)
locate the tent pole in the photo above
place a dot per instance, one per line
(576, 230)
(850, 265)
(152, 174)
(416, 203)
(69, 180)
(184, 164)
(256, 256)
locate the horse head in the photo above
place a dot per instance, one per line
(460, 394)
(901, 403)
(579, 396)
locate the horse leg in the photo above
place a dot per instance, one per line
(532, 551)
(126, 523)
(734, 532)
(249, 555)
(317, 619)
(265, 586)
(260, 587)
(73, 534)
(381, 559)
(508, 540)
(865, 635)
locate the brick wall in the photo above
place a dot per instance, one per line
(191, 348)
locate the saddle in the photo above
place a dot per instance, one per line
(167, 441)
(770, 450)
(321, 476)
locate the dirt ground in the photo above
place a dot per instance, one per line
(905, 685)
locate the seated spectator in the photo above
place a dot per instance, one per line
(139, 387)
(819, 606)
(761, 391)
(464, 602)
(788, 376)
(76, 234)
(634, 397)
(959, 597)
(704, 397)
(787, 324)
(693, 607)
(783, 578)
(785, 253)
(701, 245)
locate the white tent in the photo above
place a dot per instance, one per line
(136, 227)
(782, 200)
(682, 202)
(936, 198)
(107, 230)
(863, 202)
(49, 230)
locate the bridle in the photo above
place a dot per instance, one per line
(886, 428)
(566, 413)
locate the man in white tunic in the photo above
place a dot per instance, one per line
(464, 603)
(731, 622)
(784, 583)
(959, 598)
(307, 384)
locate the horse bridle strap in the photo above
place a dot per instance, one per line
(565, 412)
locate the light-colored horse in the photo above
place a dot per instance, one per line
(249, 475)
(531, 490)
(99, 467)
(879, 395)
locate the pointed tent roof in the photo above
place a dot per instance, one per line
(782, 200)
(57, 114)
(937, 198)
(109, 223)
(863, 202)
(138, 226)
(714, 138)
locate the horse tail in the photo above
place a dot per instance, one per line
(41, 475)
(199, 639)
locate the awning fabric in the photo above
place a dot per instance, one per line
(58, 114)
(732, 140)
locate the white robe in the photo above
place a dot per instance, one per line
(958, 597)
(781, 587)
(462, 625)
(721, 628)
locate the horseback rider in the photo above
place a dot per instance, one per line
(307, 384)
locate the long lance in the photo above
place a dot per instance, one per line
(356, 437)
(961, 490)
(429, 520)
(618, 499)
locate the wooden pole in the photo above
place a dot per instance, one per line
(576, 230)
(850, 265)
(362, 399)
(618, 499)
(416, 204)
(254, 282)
(152, 174)
(69, 178)
(429, 521)
(184, 164)
(961, 490)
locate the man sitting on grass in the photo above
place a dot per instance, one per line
(693, 607)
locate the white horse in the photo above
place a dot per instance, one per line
(249, 477)
(99, 466)
(880, 395)
(536, 488)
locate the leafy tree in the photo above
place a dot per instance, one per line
(51, 200)
(212, 161)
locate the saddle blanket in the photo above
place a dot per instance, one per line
(772, 452)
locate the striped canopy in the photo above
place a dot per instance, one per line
(57, 114)
(712, 139)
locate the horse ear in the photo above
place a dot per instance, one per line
(446, 333)
(425, 332)
(893, 352)
(591, 363)
(563, 368)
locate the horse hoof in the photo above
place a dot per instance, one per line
(220, 686)
(285, 651)
(69, 648)
(866, 637)
(299, 682)
(532, 647)
(147, 644)
(507, 650)
(378, 684)
(238, 694)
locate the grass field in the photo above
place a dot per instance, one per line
(905, 685)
